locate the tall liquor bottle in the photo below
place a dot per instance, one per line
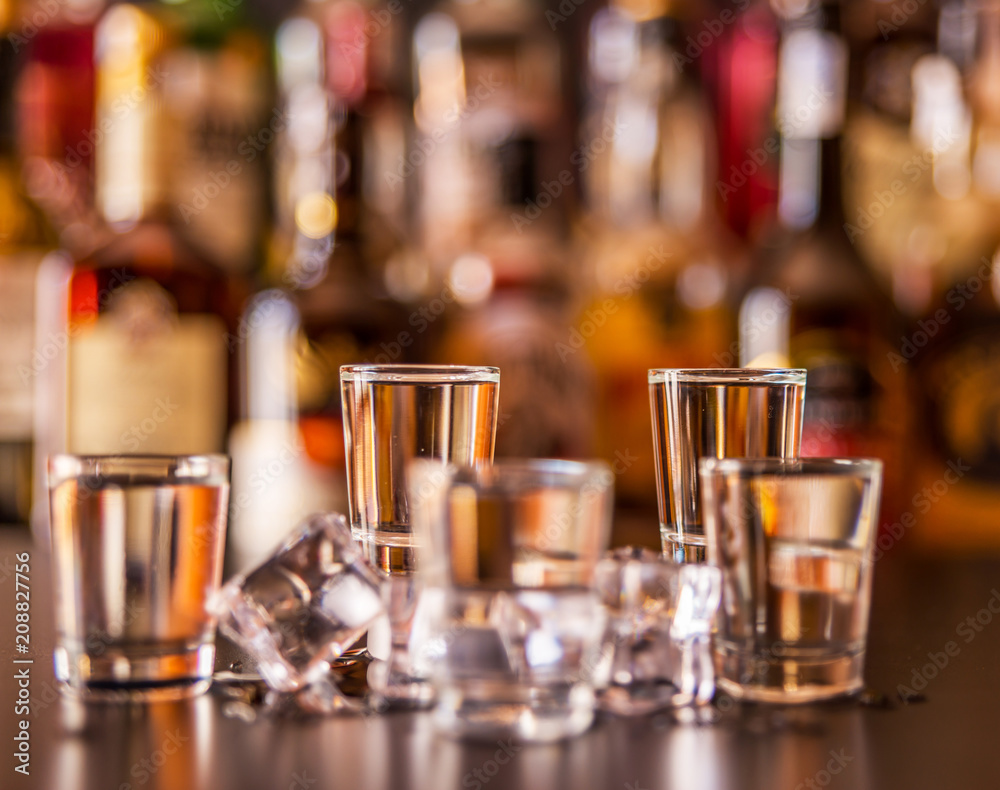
(495, 177)
(149, 320)
(955, 348)
(660, 263)
(327, 257)
(913, 209)
(55, 105)
(741, 78)
(24, 239)
(216, 99)
(815, 303)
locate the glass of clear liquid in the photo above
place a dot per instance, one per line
(394, 414)
(715, 413)
(793, 539)
(515, 642)
(137, 546)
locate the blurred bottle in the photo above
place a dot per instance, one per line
(494, 179)
(913, 210)
(328, 255)
(491, 135)
(25, 237)
(55, 106)
(660, 261)
(955, 344)
(740, 74)
(216, 99)
(815, 304)
(148, 321)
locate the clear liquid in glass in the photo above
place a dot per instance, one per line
(810, 640)
(389, 423)
(711, 419)
(136, 562)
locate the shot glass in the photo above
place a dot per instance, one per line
(660, 627)
(793, 539)
(715, 413)
(137, 546)
(510, 555)
(394, 414)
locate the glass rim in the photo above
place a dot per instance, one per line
(728, 375)
(419, 374)
(790, 466)
(196, 466)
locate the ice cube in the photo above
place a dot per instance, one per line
(304, 605)
(661, 615)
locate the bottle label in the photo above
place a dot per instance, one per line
(145, 380)
(214, 102)
(812, 85)
(18, 367)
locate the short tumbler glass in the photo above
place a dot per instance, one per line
(137, 545)
(794, 540)
(392, 415)
(715, 413)
(519, 628)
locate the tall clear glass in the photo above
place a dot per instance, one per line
(793, 539)
(137, 545)
(715, 413)
(394, 414)
(518, 627)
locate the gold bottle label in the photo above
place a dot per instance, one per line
(143, 379)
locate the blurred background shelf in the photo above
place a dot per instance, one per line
(207, 207)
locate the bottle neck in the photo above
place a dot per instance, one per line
(809, 190)
(130, 164)
(812, 91)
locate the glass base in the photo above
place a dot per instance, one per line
(642, 698)
(536, 714)
(788, 681)
(135, 674)
(684, 548)
(394, 688)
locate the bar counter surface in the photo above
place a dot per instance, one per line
(935, 629)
